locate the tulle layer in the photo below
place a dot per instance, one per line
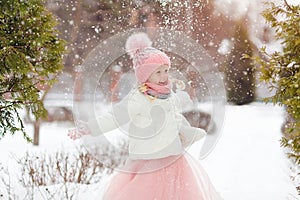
(179, 178)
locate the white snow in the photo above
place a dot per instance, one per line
(247, 163)
(225, 47)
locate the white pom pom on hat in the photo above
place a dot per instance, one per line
(146, 59)
(137, 41)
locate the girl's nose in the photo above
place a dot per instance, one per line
(164, 77)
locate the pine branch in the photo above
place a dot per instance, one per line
(13, 103)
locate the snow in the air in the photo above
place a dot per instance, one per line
(247, 163)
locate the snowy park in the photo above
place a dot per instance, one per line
(247, 162)
(202, 94)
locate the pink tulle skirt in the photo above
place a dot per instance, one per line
(171, 178)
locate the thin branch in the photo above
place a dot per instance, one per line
(8, 91)
(15, 91)
(287, 5)
(290, 8)
(16, 102)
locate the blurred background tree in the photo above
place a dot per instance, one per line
(239, 71)
(281, 70)
(85, 24)
(30, 59)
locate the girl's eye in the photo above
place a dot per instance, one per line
(166, 70)
(158, 72)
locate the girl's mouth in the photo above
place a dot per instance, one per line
(163, 83)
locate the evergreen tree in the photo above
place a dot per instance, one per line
(239, 71)
(281, 69)
(30, 58)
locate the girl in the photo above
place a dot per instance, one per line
(158, 168)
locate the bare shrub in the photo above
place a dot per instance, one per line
(61, 174)
(6, 190)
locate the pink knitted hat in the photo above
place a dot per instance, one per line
(146, 59)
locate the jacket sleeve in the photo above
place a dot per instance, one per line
(188, 133)
(117, 117)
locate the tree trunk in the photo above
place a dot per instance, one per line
(36, 136)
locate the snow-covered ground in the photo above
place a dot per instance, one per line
(247, 163)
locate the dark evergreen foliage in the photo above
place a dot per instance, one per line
(30, 58)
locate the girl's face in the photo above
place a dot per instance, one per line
(160, 76)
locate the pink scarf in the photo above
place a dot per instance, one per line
(156, 90)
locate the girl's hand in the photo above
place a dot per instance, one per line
(78, 132)
(180, 85)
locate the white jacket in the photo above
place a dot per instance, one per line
(157, 128)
